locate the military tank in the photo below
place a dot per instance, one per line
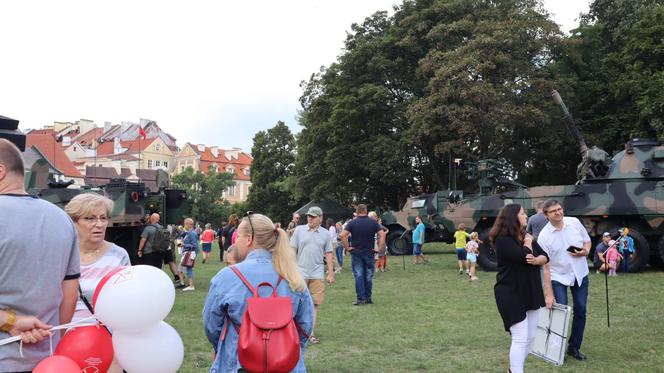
(133, 200)
(626, 190)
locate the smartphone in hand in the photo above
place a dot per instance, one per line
(574, 249)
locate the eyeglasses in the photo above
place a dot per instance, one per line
(94, 219)
(559, 209)
(248, 216)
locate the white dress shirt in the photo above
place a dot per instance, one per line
(565, 268)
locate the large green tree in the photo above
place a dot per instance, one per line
(272, 189)
(205, 191)
(439, 79)
(611, 68)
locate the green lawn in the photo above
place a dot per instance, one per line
(429, 319)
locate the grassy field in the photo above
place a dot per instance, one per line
(427, 318)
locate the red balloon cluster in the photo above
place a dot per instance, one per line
(91, 347)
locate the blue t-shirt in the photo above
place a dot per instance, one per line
(363, 230)
(418, 234)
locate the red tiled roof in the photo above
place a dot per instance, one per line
(207, 158)
(43, 131)
(53, 151)
(89, 136)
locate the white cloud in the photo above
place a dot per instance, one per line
(213, 72)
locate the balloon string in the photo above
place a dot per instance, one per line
(75, 324)
(20, 349)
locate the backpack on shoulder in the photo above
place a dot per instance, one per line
(268, 336)
(162, 239)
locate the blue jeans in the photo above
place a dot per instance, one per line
(363, 270)
(625, 264)
(340, 254)
(580, 299)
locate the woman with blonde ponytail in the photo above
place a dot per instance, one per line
(264, 254)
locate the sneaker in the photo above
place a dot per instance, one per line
(359, 303)
(176, 279)
(313, 340)
(461, 271)
(368, 301)
(338, 270)
(189, 288)
(203, 260)
(473, 278)
(180, 286)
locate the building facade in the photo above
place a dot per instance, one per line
(235, 161)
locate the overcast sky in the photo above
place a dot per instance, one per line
(212, 72)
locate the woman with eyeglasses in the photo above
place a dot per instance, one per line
(518, 289)
(90, 213)
(264, 254)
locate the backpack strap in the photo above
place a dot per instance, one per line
(244, 279)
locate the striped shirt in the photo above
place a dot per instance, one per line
(92, 273)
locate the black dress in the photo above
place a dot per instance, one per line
(518, 284)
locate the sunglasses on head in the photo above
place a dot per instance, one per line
(248, 216)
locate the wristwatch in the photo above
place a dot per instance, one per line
(11, 320)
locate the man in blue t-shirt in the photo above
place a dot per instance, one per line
(363, 229)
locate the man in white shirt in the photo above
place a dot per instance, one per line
(567, 243)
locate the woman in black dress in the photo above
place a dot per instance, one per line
(518, 288)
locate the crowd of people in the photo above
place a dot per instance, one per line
(538, 260)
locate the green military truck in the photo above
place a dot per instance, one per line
(626, 190)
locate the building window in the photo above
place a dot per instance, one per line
(181, 168)
(246, 171)
(149, 163)
(166, 164)
(157, 163)
(230, 169)
(231, 190)
(157, 147)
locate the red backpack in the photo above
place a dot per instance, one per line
(268, 336)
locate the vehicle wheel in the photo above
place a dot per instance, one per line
(641, 254)
(487, 258)
(399, 243)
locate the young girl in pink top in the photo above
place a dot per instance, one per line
(613, 257)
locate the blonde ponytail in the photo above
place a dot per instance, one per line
(276, 241)
(285, 262)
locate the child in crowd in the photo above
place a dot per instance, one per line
(206, 241)
(460, 237)
(418, 241)
(472, 250)
(613, 257)
(381, 254)
(231, 256)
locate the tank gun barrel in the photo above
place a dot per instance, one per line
(569, 122)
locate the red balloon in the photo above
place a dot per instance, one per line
(102, 282)
(57, 364)
(90, 347)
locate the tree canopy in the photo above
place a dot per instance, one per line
(272, 190)
(206, 190)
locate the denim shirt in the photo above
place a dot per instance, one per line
(190, 242)
(228, 294)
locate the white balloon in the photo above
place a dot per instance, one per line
(135, 298)
(158, 349)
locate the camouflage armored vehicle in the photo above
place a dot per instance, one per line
(132, 200)
(626, 190)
